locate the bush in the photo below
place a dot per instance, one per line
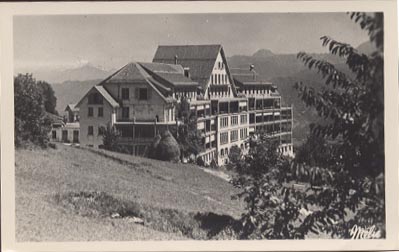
(235, 155)
(152, 149)
(168, 149)
(200, 161)
(52, 145)
(110, 138)
(213, 164)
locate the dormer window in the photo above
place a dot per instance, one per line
(187, 72)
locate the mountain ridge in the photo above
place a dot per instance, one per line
(282, 69)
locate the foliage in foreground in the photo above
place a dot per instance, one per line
(345, 190)
(189, 138)
(32, 101)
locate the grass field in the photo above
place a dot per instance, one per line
(69, 194)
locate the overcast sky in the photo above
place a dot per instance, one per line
(111, 41)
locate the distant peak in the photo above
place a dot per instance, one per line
(262, 53)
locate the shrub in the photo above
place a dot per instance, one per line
(213, 164)
(52, 145)
(200, 161)
(110, 138)
(235, 155)
(152, 149)
(168, 149)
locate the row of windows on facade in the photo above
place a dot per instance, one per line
(140, 93)
(179, 95)
(224, 121)
(100, 130)
(219, 79)
(256, 91)
(285, 149)
(220, 93)
(224, 136)
(220, 65)
(225, 151)
(100, 112)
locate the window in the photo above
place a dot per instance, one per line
(100, 112)
(95, 98)
(224, 122)
(143, 94)
(222, 152)
(90, 114)
(243, 133)
(234, 120)
(125, 112)
(243, 119)
(125, 93)
(54, 134)
(234, 135)
(90, 130)
(224, 137)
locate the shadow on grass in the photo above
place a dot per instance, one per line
(199, 226)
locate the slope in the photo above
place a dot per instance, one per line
(162, 189)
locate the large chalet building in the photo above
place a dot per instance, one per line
(141, 100)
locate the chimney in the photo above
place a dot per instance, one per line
(252, 69)
(176, 57)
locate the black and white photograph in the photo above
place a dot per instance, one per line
(206, 126)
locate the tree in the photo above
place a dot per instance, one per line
(314, 151)
(110, 138)
(269, 211)
(49, 99)
(189, 138)
(343, 191)
(235, 155)
(31, 123)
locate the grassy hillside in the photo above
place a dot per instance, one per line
(72, 194)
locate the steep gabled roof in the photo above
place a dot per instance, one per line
(107, 96)
(131, 72)
(104, 93)
(199, 58)
(72, 107)
(172, 74)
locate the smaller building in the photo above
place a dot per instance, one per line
(62, 130)
(71, 113)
